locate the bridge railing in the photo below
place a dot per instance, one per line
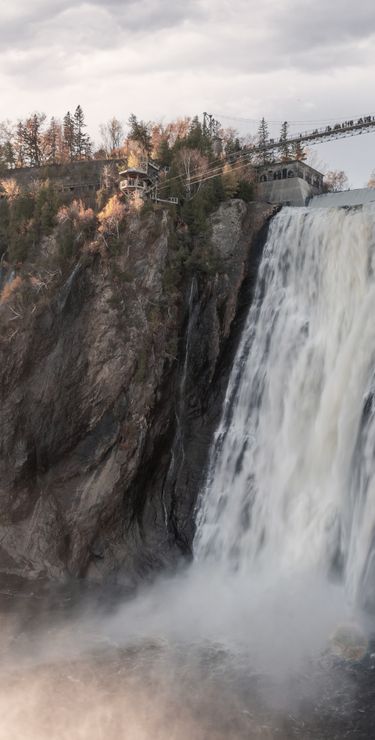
(325, 132)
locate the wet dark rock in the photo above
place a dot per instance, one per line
(110, 393)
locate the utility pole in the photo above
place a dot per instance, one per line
(210, 125)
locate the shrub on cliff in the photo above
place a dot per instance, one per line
(10, 288)
(20, 231)
(4, 226)
(111, 218)
(76, 224)
(245, 191)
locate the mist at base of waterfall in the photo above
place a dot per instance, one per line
(202, 655)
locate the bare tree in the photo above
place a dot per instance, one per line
(335, 181)
(177, 130)
(313, 159)
(192, 166)
(112, 134)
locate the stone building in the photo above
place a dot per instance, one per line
(289, 183)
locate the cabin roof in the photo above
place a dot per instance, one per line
(134, 171)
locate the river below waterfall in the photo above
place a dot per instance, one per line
(269, 633)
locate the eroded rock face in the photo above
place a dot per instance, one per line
(110, 392)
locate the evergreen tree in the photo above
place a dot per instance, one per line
(285, 153)
(45, 209)
(198, 138)
(263, 135)
(263, 139)
(68, 136)
(245, 191)
(7, 155)
(32, 138)
(164, 153)
(81, 141)
(232, 147)
(140, 132)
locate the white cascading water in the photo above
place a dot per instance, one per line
(291, 483)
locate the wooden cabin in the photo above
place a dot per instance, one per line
(143, 180)
(135, 180)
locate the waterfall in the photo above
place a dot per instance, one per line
(291, 479)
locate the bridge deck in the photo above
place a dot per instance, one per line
(329, 133)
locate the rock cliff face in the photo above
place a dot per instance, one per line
(111, 387)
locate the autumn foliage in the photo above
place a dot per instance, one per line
(111, 218)
(10, 288)
(81, 217)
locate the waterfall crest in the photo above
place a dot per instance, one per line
(291, 480)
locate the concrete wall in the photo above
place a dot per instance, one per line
(356, 197)
(70, 176)
(293, 191)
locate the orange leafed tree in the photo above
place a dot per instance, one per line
(11, 188)
(10, 288)
(81, 217)
(111, 218)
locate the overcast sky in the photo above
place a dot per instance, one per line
(300, 60)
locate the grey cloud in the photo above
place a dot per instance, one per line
(48, 39)
(308, 24)
(130, 15)
(306, 34)
(152, 15)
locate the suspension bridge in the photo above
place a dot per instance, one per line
(328, 133)
(252, 154)
(340, 130)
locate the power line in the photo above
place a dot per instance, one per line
(234, 169)
(292, 123)
(211, 173)
(212, 168)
